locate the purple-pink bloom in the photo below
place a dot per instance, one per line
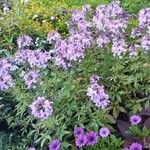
(30, 79)
(118, 46)
(24, 41)
(94, 79)
(78, 131)
(145, 41)
(41, 108)
(53, 36)
(35, 58)
(80, 140)
(135, 119)
(125, 149)
(54, 145)
(86, 8)
(97, 95)
(135, 146)
(104, 132)
(144, 17)
(92, 138)
(6, 80)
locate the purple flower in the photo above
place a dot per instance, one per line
(53, 36)
(77, 16)
(136, 32)
(94, 79)
(97, 95)
(36, 58)
(135, 119)
(86, 8)
(54, 145)
(145, 41)
(80, 140)
(102, 40)
(78, 131)
(92, 138)
(125, 149)
(144, 17)
(32, 148)
(41, 108)
(24, 41)
(30, 79)
(135, 146)
(133, 50)
(6, 80)
(104, 132)
(118, 47)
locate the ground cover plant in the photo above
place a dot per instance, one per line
(83, 84)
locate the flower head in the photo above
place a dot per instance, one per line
(78, 131)
(135, 119)
(135, 146)
(94, 79)
(30, 79)
(41, 108)
(53, 36)
(144, 17)
(80, 140)
(92, 138)
(104, 132)
(97, 95)
(54, 145)
(24, 41)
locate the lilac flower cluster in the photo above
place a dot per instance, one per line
(35, 58)
(110, 18)
(70, 50)
(142, 33)
(24, 41)
(90, 138)
(41, 108)
(6, 80)
(54, 145)
(97, 94)
(144, 17)
(53, 36)
(30, 79)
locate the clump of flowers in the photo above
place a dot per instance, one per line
(135, 119)
(53, 36)
(54, 145)
(104, 132)
(97, 94)
(144, 17)
(36, 58)
(6, 80)
(24, 41)
(41, 108)
(30, 79)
